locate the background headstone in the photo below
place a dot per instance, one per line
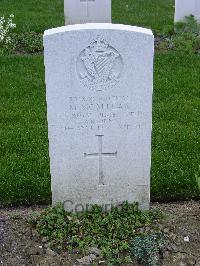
(87, 11)
(185, 8)
(99, 80)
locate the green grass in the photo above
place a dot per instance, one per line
(24, 163)
(154, 14)
(38, 15)
(176, 149)
(34, 15)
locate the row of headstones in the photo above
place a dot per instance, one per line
(99, 80)
(99, 11)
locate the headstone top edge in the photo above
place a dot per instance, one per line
(97, 26)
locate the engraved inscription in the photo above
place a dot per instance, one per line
(97, 113)
(99, 65)
(100, 156)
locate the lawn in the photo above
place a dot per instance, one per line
(176, 108)
(153, 14)
(38, 15)
(24, 162)
(34, 15)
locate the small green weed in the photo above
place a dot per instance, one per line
(187, 42)
(111, 232)
(23, 43)
(185, 37)
(147, 248)
(190, 24)
(27, 43)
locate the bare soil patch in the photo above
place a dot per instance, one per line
(21, 245)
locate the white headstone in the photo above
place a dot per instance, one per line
(87, 11)
(99, 80)
(185, 8)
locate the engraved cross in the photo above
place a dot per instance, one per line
(87, 2)
(100, 155)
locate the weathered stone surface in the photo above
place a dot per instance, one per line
(185, 8)
(99, 81)
(87, 11)
(50, 252)
(95, 251)
(87, 260)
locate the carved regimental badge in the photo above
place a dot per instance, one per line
(99, 65)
